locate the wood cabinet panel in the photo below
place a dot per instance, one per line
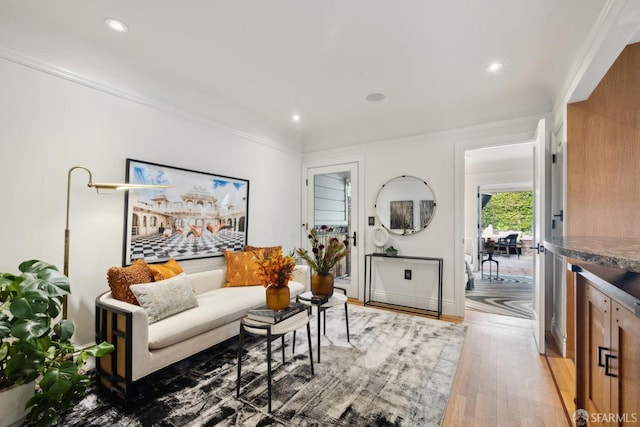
(596, 338)
(608, 359)
(625, 339)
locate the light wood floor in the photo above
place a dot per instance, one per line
(501, 378)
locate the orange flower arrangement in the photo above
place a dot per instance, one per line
(276, 270)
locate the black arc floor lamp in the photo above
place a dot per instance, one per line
(98, 187)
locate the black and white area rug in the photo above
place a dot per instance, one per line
(397, 370)
(508, 296)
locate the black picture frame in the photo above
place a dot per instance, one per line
(201, 216)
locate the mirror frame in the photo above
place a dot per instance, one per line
(418, 197)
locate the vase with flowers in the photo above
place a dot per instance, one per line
(276, 271)
(326, 251)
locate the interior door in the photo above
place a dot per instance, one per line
(332, 200)
(540, 168)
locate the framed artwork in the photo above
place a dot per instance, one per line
(401, 214)
(200, 216)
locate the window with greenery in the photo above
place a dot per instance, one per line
(509, 211)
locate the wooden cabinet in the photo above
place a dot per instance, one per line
(625, 341)
(608, 357)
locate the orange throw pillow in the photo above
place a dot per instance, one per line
(120, 278)
(242, 269)
(268, 251)
(164, 271)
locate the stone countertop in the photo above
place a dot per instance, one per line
(615, 252)
(624, 286)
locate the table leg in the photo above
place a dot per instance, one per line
(240, 345)
(310, 350)
(269, 368)
(318, 313)
(282, 342)
(346, 318)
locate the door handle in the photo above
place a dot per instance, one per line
(600, 350)
(538, 247)
(355, 239)
(608, 357)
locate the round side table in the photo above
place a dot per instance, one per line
(307, 298)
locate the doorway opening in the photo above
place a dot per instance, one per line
(331, 208)
(499, 221)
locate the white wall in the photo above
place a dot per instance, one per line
(437, 158)
(49, 124)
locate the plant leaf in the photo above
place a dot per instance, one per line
(26, 329)
(21, 308)
(100, 350)
(64, 330)
(38, 300)
(5, 329)
(44, 276)
(21, 369)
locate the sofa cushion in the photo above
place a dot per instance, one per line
(215, 308)
(205, 281)
(166, 297)
(242, 269)
(120, 278)
(166, 270)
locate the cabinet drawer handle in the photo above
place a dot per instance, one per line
(607, 357)
(600, 350)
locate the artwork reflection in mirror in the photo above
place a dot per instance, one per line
(405, 205)
(427, 207)
(401, 214)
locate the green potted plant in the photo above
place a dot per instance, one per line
(326, 251)
(35, 342)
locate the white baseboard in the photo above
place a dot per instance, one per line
(448, 306)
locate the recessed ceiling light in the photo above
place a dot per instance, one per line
(495, 67)
(375, 97)
(116, 25)
(296, 117)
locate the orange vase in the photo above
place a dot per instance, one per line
(278, 298)
(322, 284)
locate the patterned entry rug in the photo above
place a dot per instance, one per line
(397, 370)
(508, 296)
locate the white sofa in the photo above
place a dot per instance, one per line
(143, 348)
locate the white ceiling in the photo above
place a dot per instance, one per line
(251, 65)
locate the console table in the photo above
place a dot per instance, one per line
(368, 261)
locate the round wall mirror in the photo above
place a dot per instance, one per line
(405, 205)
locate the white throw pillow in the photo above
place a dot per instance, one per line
(166, 297)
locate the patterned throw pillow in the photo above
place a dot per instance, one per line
(166, 297)
(267, 250)
(242, 269)
(167, 270)
(120, 278)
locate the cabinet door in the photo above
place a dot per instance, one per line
(596, 346)
(625, 386)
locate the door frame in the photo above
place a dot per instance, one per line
(523, 131)
(358, 212)
(541, 226)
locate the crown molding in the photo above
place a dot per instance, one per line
(71, 76)
(613, 30)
